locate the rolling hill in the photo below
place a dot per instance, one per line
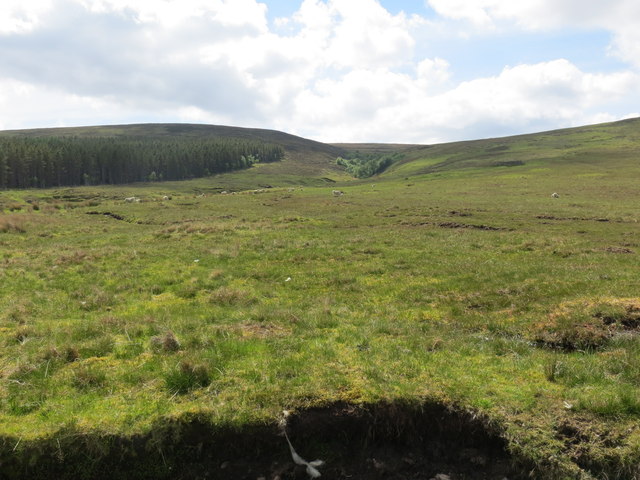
(305, 158)
(309, 159)
(608, 142)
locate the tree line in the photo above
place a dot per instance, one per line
(363, 165)
(27, 162)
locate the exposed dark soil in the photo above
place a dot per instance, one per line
(465, 225)
(618, 250)
(460, 214)
(455, 225)
(583, 219)
(107, 214)
(390, 441)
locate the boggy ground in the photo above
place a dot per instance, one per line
(384, 441)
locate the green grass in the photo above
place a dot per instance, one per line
(441, 286)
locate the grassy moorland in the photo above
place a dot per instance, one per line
(454, 278)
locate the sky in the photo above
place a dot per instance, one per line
(402, 71)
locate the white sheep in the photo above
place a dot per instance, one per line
(555, 195)
(165, 198)
(337, 193)
(130, 199)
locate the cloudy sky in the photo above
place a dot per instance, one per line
(416, 71)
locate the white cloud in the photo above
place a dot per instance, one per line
(432, 72)
(519, 99)
(172, 13)
(365, 35)
(20, 16)
(338, 70)
(620, 17)
(25, 102)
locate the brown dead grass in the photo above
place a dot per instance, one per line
(231, 296)
(167, 342)
(75, 258)
(262, 330)
(13, 224)
(588, 324)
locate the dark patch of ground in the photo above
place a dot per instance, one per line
(465, 225)
(582, 219)
(456, 225)
(618, 250)
(107, 214)
(389, 441)
(508, 163)
(460, 214)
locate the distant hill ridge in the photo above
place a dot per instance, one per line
(306, 158)
(286, 140)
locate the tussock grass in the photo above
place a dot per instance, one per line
(186, 376)
(167, 342)
(13, 224)
(589, 324)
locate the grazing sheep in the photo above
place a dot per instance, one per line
(165, 197)
(555, 195)
(130, 199)
(137, 200)
(337, 193)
